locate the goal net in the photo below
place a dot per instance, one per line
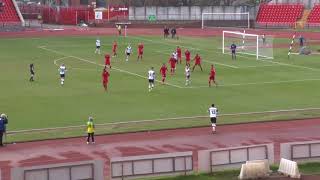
(238, 20)
(260, 46)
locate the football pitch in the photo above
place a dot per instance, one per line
(245, 85)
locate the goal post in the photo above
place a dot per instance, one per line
(260, 46)
(238, 20)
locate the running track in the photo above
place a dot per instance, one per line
(142, 143)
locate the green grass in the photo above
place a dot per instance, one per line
(45, 103)
(305, 169)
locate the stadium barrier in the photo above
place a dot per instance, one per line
(151, 165)
(301, 151)
(74, 170)
(255, 169)
(186, 13)
(289, 168)
(227, 158)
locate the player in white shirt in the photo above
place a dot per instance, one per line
(151, 78)
(62, 71)
(188, 74)
(98, 45)
(128, 51)
(175, 56)
(213, 111)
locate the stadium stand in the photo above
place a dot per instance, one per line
(8, 13)
(279, 14)
(314, 16)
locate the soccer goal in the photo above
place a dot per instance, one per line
(237, 20)
(260, 46)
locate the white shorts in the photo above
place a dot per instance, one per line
(213, 125)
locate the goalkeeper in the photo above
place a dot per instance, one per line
(233, 48)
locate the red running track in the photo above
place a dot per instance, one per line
(143, 143)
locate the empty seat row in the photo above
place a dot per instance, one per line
(314, 16)
(279, 13)
(8, 13)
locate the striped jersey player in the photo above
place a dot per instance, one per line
(151, 78)
(128, 52)
(188, 74)
(98, 45)
(62, 71)
(213, 111)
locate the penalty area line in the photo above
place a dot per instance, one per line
(117, 69)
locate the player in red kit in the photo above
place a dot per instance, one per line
(105, 78)
(188, 57)
(114, 48)
(197, 60)
(179, 54)
(212, 76)
(163, 71)
(107, 61)
(172, 62)
(140, 51)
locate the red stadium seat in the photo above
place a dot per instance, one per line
(314, 16)
(279, 14)
(8, 13)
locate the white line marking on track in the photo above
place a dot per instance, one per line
(113, 68)
(165, 119)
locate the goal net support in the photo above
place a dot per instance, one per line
(237, 20)
(260, 46)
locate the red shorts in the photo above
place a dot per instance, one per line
(140, 52)
(114, 50)
(164, 75)
(105, 81)
(197, 63)
(212, 78)
(179, 56)
(173, 66)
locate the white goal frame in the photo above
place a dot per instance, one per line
(242, 35)
(243, 13)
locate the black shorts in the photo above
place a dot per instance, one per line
(98, 47)
(233, 52)
(32, 72)
(151, 80)
(213, 120)
(188, 77)
(62, 75)
(128, 54)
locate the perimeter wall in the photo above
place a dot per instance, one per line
(189, 13)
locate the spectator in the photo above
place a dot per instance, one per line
(3, 122)
(301, 41)
(173, 33)
(165, 32)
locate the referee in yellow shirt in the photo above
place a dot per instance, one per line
(90, 130)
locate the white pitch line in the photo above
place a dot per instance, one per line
(120, 70)
(158, 42)
(165, 119)
(56, 60)
(257, 83)
(275, 62)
